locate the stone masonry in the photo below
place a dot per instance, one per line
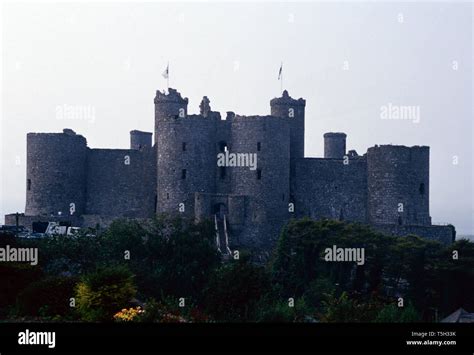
(387, 187)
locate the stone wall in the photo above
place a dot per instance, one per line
(398, 185)
(140, 140)
(121, 182)
(443, 234)
(334, 145)
(327, 188)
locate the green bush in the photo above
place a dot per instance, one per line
(124, 235)
(169, 311)
(49, 297)
(319, 291)
(345, 309)
(235, 290)
(421, 269)
(71, 255)
(281, 312)
(103, 293)
(181, 257)
(15, 277)
(393, 314)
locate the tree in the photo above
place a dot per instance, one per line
(235, 290)
(299, 257)
(47, 297)
(181, 256)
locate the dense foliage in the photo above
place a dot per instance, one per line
(101, 293)
(168, 270)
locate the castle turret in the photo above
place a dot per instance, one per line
(55, 173)
(288, 107)
(334, 145)
(186, 152)
(140, 140)
(169, 106)
(398, 185)
(267, 183)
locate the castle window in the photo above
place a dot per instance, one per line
(400, 221)
(222, 172)
(259, 146)
(28, 184)
(422, 189)
(341, 215)
(259, 174)
(167, 196)
(183, 174)
(184, 146)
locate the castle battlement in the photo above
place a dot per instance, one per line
(286, 99)
(172, 96)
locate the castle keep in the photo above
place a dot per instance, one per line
(175, 170)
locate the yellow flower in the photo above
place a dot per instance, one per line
(128, 314)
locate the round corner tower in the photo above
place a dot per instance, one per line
(398, 185)
(169, 106)
(287, 107)
(55, 174)
(185, 150)
(334, 145)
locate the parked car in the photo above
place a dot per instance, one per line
(12, 230)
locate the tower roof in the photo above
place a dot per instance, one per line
(335, 135)
(286, 99)
(172, 96)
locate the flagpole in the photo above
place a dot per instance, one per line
(281, 82)
(281, 78)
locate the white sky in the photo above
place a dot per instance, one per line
(109, 57)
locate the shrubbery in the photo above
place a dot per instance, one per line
(393, 314)
(411, 266)
(101, 294)
(15, 277)
(174, 258)
(49, 297)
(235, 289)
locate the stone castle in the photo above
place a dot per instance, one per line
(176, 172)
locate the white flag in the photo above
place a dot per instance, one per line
(279, 72)
(166, 72)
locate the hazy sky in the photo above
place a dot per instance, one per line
(346, 59)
